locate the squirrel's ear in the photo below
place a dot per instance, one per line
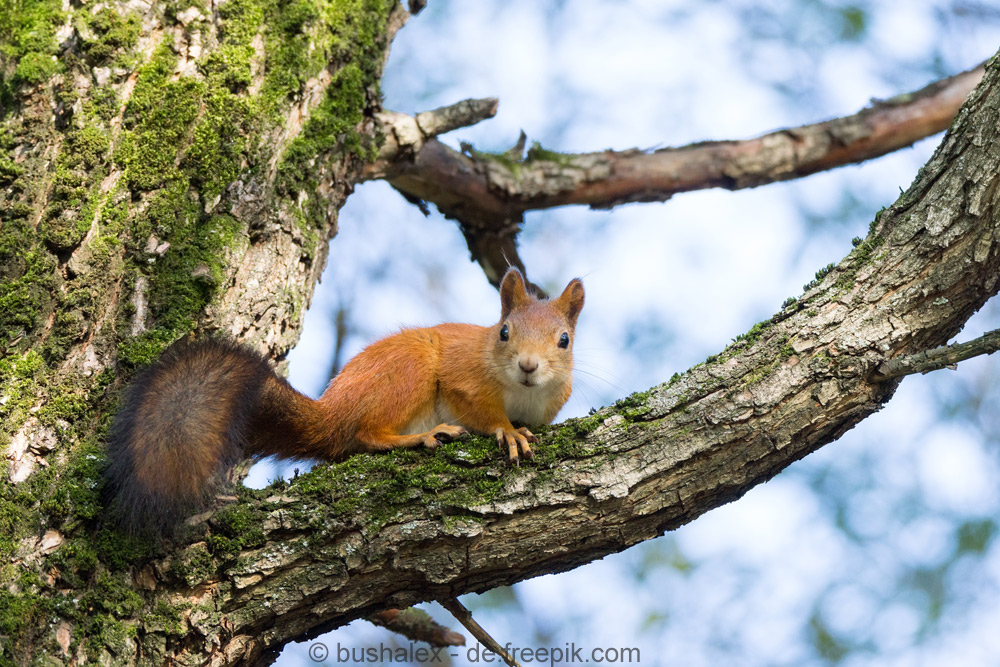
(512, 292)
(571, 300)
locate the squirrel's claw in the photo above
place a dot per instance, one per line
(516, 444)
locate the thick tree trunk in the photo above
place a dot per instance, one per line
(165, 168)
(188, 180)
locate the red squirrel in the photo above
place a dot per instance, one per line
(203, 406)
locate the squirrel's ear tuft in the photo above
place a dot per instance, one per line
(512, 292)
(571, 300)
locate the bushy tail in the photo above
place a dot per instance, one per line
(182, 425)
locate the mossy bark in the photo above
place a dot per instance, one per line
(169, 169)
(166, 168)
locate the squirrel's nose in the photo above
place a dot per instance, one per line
(528, 365)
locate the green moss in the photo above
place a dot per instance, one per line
(165, 618)
(458, 474)
(536, 153)
(191, 134)
(103, 103)
(822, 273)
(157, 120)
(28, 279)
(290, 60)
(556, 445)
(9, 171)
(785, 352)
(142, 350)
(35, 68)
(18, 611)
(230, 65)
(185, 279)
(219, 142)
(110, 33)
(121, 551)
(78, 171)
(63, 227)
(78, 493)
(114, 593)
(77, 561)
(309, 35)
(753, 335)
(863, 253)
(509, 161)
(512, 159)
(240, 522)
(90, 145)
(195, 564)
(584, 425)
(742, 341)
(28, 37)
(12, 525)
(634, 406)
(105, 632)
(331, 127)
(29, 26)
(20, 379)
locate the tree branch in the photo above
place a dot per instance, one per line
(405, 135)
(417, 625)
(464, 617)
(489, 193)
(942, 357)
(347, 540)
(246, 243)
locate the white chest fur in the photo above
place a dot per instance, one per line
(527, 404)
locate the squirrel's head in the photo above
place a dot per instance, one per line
(533, 342)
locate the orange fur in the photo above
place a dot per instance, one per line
(203, 405)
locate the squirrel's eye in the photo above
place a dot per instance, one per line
(504, 333)
(564, 340)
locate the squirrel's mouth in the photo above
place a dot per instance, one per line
(527, 383)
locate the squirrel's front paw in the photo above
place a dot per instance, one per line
(442, 433)
(514, 442)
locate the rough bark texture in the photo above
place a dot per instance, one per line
(165, 167)
(111, 248)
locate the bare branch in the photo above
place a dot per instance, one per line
(945, 356)
(417, 625)
(405, 135)
(545, 179)
(489, 193)
(464, 617)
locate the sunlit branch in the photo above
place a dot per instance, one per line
(941, 357)
(489, 193)
(406, 135)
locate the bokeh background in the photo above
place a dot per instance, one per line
(881, 549)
